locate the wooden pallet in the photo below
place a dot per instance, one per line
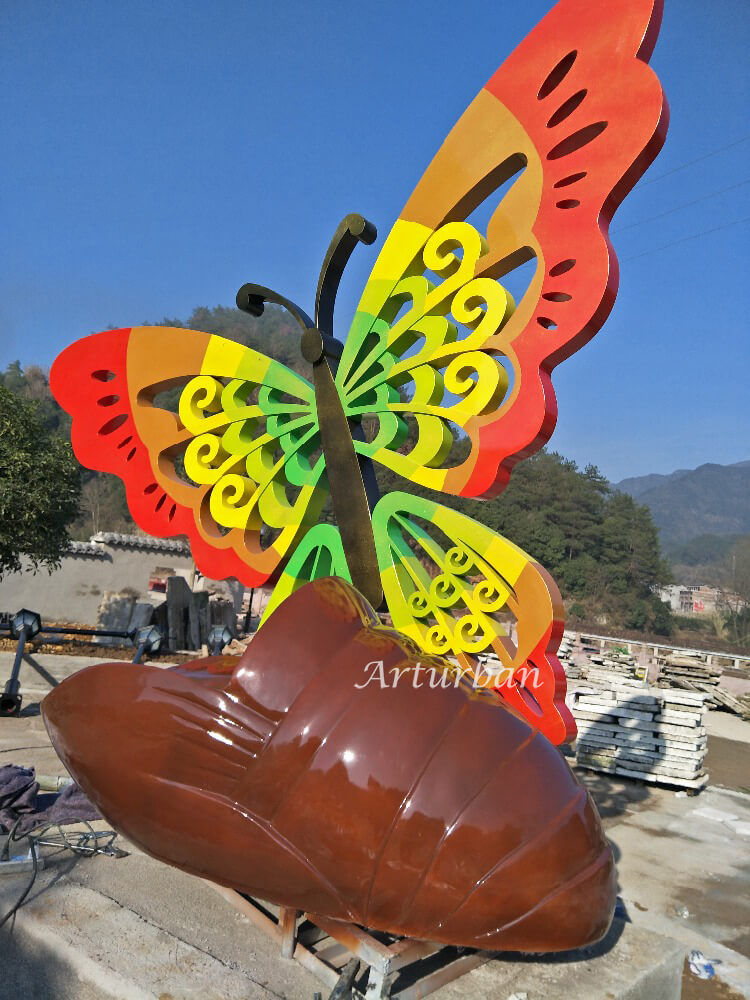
(341, 954)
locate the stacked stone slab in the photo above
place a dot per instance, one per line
(689, 671)
(653, 734)
(602, 669)
(565, 655)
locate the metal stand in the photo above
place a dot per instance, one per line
(10, 702)
(24, 625)
(28, 624)
(333, 951)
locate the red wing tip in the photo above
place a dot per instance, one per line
(74, 357)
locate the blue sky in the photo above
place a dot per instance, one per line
(159, 154)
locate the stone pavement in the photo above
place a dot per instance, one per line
(134, 928)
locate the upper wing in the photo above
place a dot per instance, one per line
(577, 115)
(243, 453)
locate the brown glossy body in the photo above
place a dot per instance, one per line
(435, 812)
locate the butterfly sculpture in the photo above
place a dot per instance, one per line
(453, 374)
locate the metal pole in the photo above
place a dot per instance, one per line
(70, 630)
(10, 703)
(249, 615)
(75, 630)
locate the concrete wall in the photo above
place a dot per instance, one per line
(109, 562)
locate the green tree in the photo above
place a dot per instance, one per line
(32, 382)
(630, 567)
(39, 486)
(735, 592)
(103, 506)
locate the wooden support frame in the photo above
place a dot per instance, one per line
(327, 948)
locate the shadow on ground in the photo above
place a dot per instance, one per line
(614, 797)
(575, 955)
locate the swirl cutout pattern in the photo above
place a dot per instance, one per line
(249, 450)
(413, 363)
(459, 589)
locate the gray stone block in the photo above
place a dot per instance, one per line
(114, 614)
(142, 615)
(178, 604)
(197, 620)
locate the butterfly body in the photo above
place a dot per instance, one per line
(352, 494)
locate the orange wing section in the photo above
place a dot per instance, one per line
(230, 481)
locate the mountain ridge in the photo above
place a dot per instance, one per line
(711, 499)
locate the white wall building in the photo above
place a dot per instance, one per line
(108, 563)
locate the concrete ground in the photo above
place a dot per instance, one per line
(133, 928)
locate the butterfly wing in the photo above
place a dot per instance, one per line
(573, 118)
(438, 346)
(241, 453)
(458, 588)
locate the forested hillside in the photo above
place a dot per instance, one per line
(601, 547)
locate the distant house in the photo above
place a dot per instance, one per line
(689, 599)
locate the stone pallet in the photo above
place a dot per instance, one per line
(613, 668)
(653, 734)
(602, 668)
(685, 668)
(572, 670)
(594, 764)
(688, 679)
(740, 706)
(614, 661)
(606, 679)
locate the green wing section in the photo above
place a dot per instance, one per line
(416, 350)
(457, 589)
(319, 554)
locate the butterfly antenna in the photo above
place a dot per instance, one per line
(353, 229)
(252, 299)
